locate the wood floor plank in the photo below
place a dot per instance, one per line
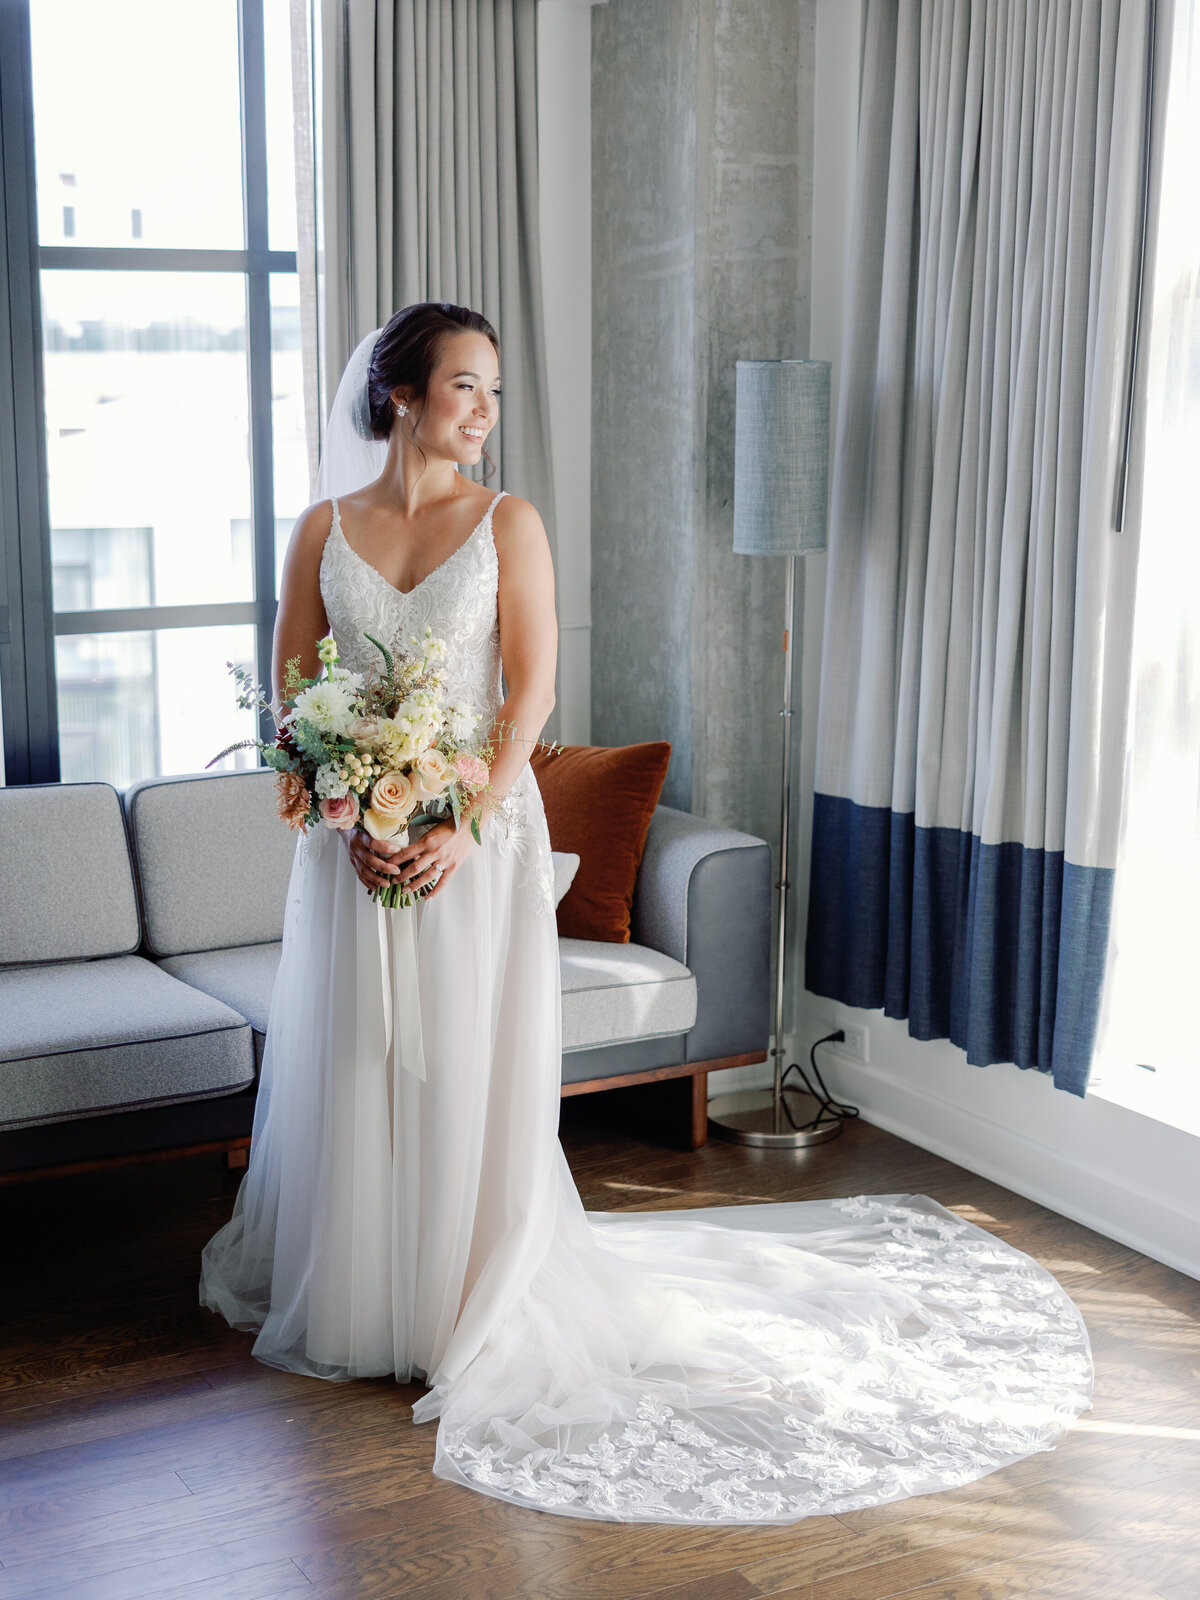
(224, 1512)
(422, 1554)
(722, 1586)
(1092, 1567)
(132, 1570)
(1080, 1459)
(20, 1396)
(308, 1461)
(475, 1561)
(59, 1426)
(953, 1539)
(580, 1575)
(69, 1468)
(269, 1581)
(68, 1511)
(1131, 1555)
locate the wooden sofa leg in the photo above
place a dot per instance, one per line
(699, 1110)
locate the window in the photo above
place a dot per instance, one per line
(172, 462)
(1147, 1057)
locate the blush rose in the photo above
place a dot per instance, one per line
(341, 813)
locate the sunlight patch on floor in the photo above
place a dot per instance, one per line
(695, 1197)
(1137, 1430)
(981, 1219)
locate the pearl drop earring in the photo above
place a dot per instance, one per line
(401, 409)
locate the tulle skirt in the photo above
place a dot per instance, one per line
(742, 1364)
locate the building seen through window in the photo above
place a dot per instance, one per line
(155, 464)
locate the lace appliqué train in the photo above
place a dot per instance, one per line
(998, 1366)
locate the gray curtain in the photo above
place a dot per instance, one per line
(979, 613)
(429, 173)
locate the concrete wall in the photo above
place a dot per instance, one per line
(701, 189)
(644, 376)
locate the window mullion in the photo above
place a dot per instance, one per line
(26, 592)
(110, 258)
(148, 619)
(258, 329)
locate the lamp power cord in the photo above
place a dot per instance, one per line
(830, 1110)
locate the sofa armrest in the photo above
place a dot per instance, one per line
(703, 896)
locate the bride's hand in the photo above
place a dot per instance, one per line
(428, 864)
(373, 859)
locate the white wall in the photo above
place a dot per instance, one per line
(1125, 1175)
(565, 211)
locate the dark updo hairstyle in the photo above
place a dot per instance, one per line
(406, 353)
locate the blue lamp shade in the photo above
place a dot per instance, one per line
(781, 457)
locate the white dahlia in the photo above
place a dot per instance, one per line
(328, 706)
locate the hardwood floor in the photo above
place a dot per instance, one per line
(143, 1453)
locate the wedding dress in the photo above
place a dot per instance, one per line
(756, 1363)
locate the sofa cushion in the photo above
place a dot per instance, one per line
(242, 979)
(66, 884)
(213, 860)
(565, 866)
(612, 993)
(599, 802)
(85, 1037)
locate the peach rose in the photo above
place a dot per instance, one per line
(365, 731)
(341, 813)
(431, 774)
(393, 795)
(385, 827)
(472, 770)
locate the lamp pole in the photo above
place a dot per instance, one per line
(785, 810)
(781, 453)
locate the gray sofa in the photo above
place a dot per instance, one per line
(140, 935)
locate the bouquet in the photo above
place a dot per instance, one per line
(386, 752)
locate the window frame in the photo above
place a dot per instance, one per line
(29, 624)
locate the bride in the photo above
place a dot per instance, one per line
(407, 1209)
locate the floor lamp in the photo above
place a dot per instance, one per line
(780, 493)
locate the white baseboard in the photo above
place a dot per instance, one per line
(733, 1079)
(1090, 1160)
(1065, 1181)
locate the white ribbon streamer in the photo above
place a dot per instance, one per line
(404, 1020)
(388, 1019)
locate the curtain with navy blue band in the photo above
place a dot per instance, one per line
(979, 603)
(997, 948)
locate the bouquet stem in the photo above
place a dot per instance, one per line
(394, 896)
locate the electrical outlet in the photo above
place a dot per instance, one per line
(856, 1044)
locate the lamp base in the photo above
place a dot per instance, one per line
(750, 1118)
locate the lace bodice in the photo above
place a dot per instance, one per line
(457, 600)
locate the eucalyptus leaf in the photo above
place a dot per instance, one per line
(310, 741)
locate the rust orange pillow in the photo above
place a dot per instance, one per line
(599, 802)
